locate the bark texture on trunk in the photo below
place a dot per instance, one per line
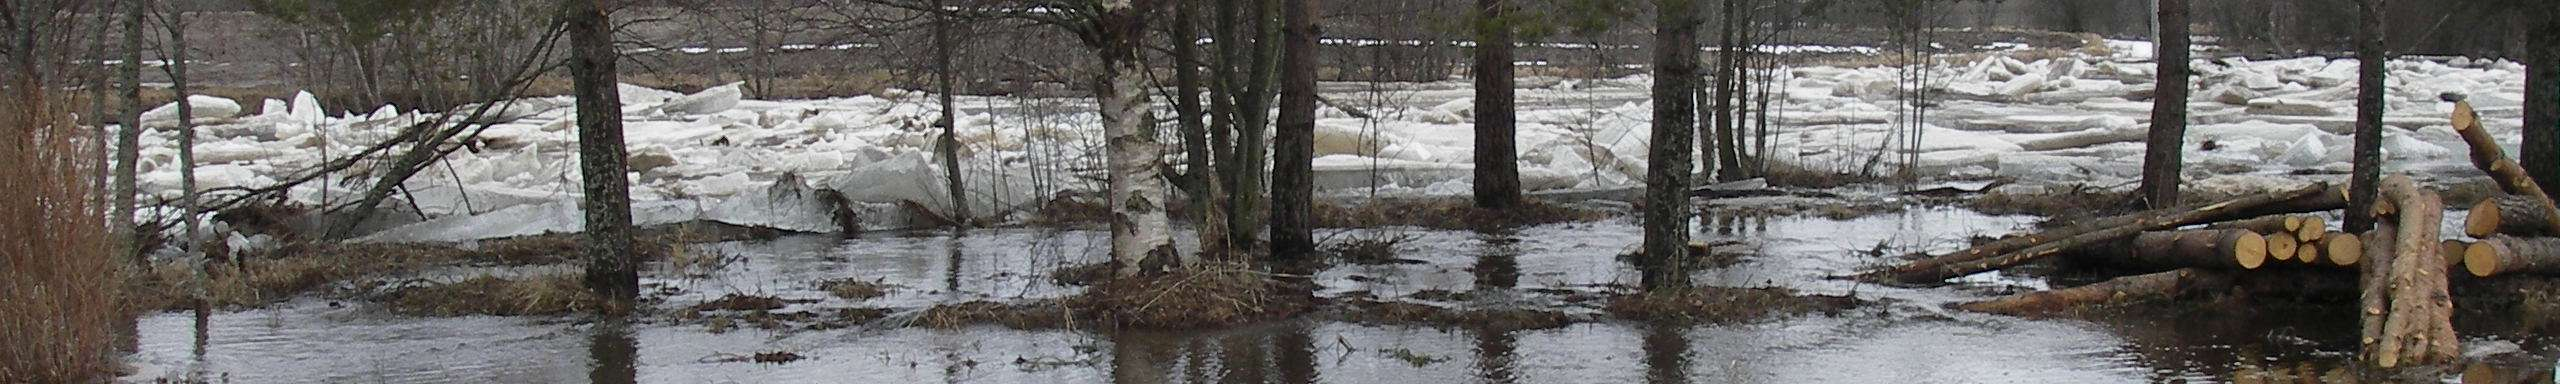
(129, 139)
(2369, 92)
(1497, 155)
(1728, 156)
(2121, 290)
(1141, 235)
(611, 271)
(2502, 255)
(1675, 101)
(2511, 178)
(1208, 195)
(2162, 160)
(2224, 249)
(1293, 142)
(2417, 325)
(2541, 150)
(2508, 215)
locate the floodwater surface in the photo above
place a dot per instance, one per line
(1904, 335)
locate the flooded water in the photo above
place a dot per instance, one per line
(1906, 336)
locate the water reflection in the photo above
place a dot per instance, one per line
(611, 353)
(1666, 355)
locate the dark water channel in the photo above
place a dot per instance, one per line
(1906, 336)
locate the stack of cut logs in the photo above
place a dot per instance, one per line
(2402, 264)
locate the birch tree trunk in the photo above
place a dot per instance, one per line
(611, 272)
(1141, 236)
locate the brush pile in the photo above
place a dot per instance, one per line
(2401, 267)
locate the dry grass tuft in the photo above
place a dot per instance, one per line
(1442, 213)
(855, 289)
(1369, 250)
(1199, 297)
(1794, 176)
(1082, 275)
(547, 295)
(739, 302)
(1044, 315)
(2066, 203)
(1722, 305)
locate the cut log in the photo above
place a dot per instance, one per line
(2265, 225)
(2489, 157)
(2374, 301)
(2508, 215)
(2282, 246)
(2502, 255)
(2451, 250)
(2309, 253)
(2249, 206)
(2120, 290)
(2344, 249)
(2313, 228)
(2417, 330)
(2315, 198)
(2228, 249)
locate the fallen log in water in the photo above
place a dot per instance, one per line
(2116, 291)
(2012, 252)
(2417, 327)
(2508, 215)
(2502, 255)
(2489, 157)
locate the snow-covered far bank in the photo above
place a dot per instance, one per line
(713, 156)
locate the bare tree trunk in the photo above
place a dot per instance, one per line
(129, 140)
(2369, 92)
(194, 238)
(1253, 152)
(2541, 152)
(1675, 104)
(1728, 150)
(1293, 160)
(1141, 236)
(611, 272)
(1208, 197)
(2120, 290)
(2162, 157)
(949, 145)
(1497, 182)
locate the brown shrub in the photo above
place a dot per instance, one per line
(57, 280)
